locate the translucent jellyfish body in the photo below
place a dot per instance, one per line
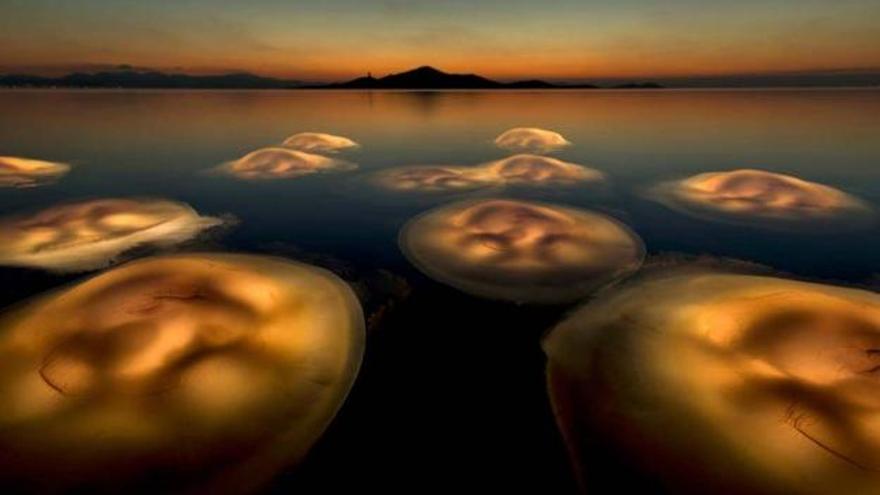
(318, 142)
(521, 251)
(203, 372)
(90, 234)
(531, 140)
(281, 163)
(764, 199)
(25, 172)
(723, 383)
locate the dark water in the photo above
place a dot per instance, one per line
(452, 391)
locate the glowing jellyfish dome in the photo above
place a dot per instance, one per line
(536, 170)
(318, 142)
(521, 251)
(531, 140)
(724, 383)
(25, 172)
(281, 163)
(764, 199)
(201, 373)
(90, 234)
(431, 178)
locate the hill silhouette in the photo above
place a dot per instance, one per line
(421, 78)
(427, 77)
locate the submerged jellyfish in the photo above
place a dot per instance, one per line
(201, 372)
(432, 178)
(531, 140)
(25, 172)
(318, 142)
(280, 163)
(712, 382)
(521, 251)
(764, 199)
(535, 170)
(90, 234)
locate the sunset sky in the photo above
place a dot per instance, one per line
(509, 39)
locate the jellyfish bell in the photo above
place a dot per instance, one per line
(535, 170)
(531, 139)
(521, 251)
(281, 163)
(198, 372)
(90, 234)
(723, 383)
(318, 142)
(25, 172)
(431, 178)
(764, 199)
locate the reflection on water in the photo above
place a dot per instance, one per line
(242, 359)
(445, 369)
(521, 251)
(90, 234)
(753, 384)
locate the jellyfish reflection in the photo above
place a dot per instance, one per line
(25, 172)
(318, 142)
(521, 251)
(90, 234)
(204, 372)
(724, 383)
(280, 163)
(764, 199)
(531, 140)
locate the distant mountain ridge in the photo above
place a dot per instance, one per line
(149, 79)
(421, 78)
(427, 77)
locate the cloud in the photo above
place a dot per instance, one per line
(521, 251)
(243, 359)
(317, 142)
(522, 169)
(26, 172)
(281, 163)
(764, 199)
(531, 140)
(91, 234)
(777, 374)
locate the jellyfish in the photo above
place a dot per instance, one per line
(764, 199)
(521, 251)
(432, 178)
(713, 382)
(531, 140)
(91, 234)
(318, 142)
(280, 163)
(535, 170)
(25, 172)
(189, 373)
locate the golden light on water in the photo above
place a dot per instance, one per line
(531, 140)
(766, 199)
(318, 142)
(25, 172)
(90, 234)
(521, 251)
(726, 383)
(521, 169)
(218, 368)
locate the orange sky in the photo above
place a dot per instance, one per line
(337, 39)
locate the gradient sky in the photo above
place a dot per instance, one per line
(510, 39)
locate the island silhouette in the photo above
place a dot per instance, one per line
(421, 78)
